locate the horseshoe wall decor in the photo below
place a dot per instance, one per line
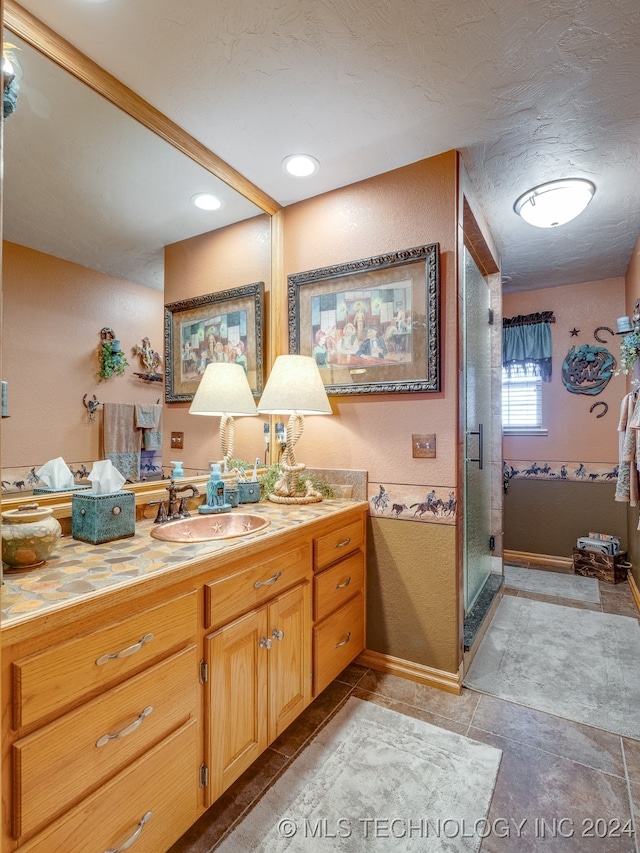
(595, 335)
(604, 411)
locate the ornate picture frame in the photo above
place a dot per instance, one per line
(223, 326)
(372, 325)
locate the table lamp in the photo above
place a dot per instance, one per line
(295, 388)
(224, 391)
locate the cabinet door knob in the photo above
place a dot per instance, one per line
(344, 583)
(133, 838)
(345, 641)
(124, 653)
(265, 643)
(104, 740)
(258, 584)
(277, 634)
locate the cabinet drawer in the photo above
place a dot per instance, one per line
(49, 680)
(235, 594)
(334, 546)
(163, 783)
(337, 641)
(336, 585)
(60, 763)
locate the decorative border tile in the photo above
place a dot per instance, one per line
(17, 480)
(431, 504)
(587, 472)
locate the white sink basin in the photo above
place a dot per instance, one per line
(205, 528)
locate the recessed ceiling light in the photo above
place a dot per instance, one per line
(300, 165)
(206, 201)
(555, 202)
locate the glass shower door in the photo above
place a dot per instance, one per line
(477, 419)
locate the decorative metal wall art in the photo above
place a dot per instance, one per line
(604, 410)
(91, 406)
(602, 329)
(150, 360)
(587, 369)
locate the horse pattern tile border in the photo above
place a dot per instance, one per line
(430, 504)
(591, 472)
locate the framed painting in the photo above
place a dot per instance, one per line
(372, 325)
(223, 326)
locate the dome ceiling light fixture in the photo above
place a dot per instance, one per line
(300, 165)
(555, 202)
(206, 201)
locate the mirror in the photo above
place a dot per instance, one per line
(91, 198)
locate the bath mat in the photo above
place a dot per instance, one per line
(582, 665)
(559, 585)
(375, 780)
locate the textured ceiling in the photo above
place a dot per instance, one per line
(527, 90)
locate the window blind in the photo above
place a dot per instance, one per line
(521, 401)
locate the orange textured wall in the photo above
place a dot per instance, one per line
(219, 260)
(53, 313)
(573, 433)
(413, 604)
(408, 207)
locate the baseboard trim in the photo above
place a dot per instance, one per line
(451, 682)
(634, 589)
(537, 559)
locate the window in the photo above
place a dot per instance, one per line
(522, 400)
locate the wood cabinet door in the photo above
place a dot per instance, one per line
(289, 658)
(237, 698)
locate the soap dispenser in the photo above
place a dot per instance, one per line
(216, 492)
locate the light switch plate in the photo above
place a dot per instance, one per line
(423, 446)
(177, 441)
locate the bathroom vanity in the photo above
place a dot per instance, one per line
(142, 677)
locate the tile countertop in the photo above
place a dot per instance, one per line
(80, 569)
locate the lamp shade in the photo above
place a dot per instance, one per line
(223, 390)
(294, 385)
(555, 203)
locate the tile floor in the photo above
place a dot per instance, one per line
(561, 787)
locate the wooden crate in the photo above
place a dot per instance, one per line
(604, 567)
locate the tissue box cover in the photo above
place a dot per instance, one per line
(103, 518)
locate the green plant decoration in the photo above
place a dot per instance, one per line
(629, 349)
(273, 473)
(111, 363)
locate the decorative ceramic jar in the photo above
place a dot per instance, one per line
(29, 536)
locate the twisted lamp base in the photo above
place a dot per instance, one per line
(286, 489)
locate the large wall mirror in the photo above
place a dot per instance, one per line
(91, 198)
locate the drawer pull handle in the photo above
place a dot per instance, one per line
(258, 584)
(277, 634)
(131, 650)
(104, 740)
(265, 644)
(345, 641)
(344, 583)
(136, 835)
(343, 544)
